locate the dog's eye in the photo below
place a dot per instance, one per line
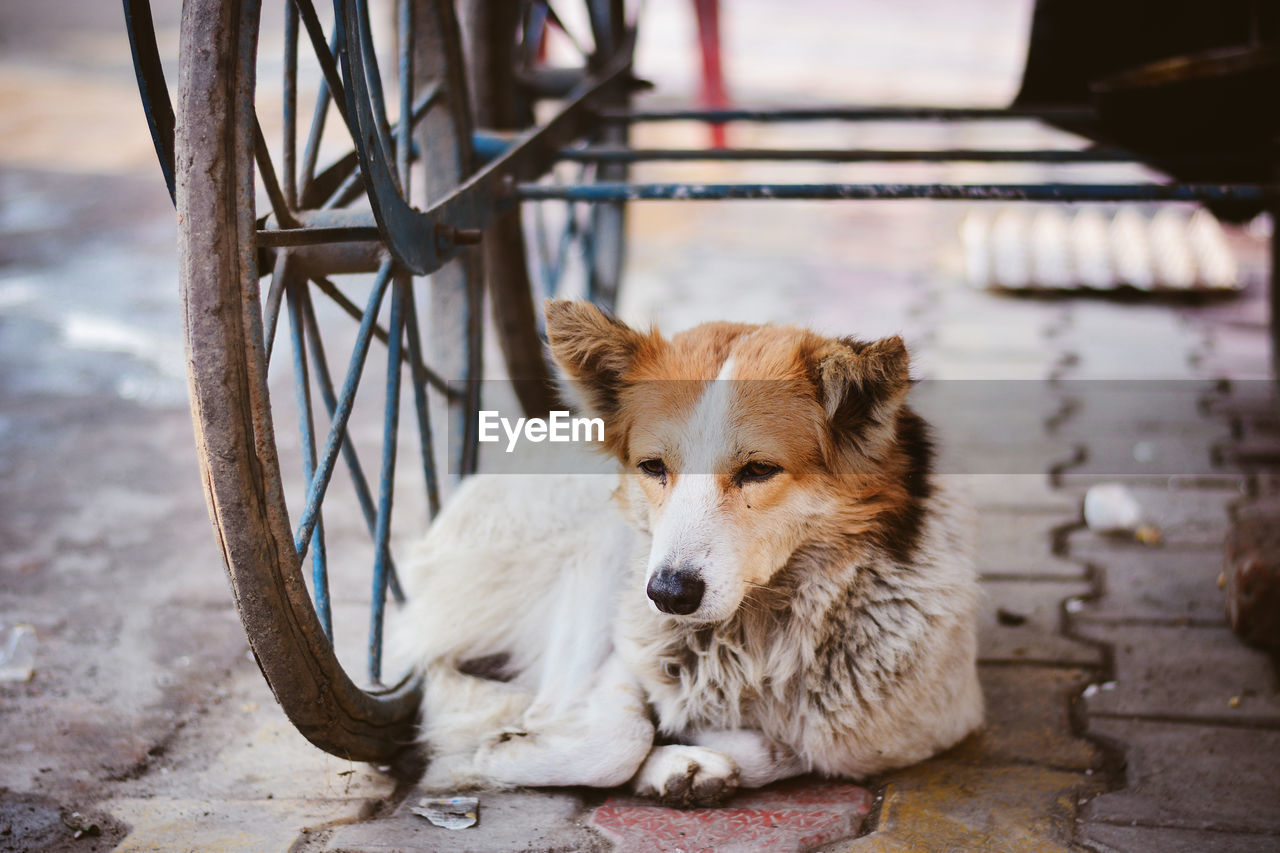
(654, 467)
(757, 472)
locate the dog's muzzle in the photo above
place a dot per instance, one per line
(677, 591)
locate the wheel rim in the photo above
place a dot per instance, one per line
(231, 333)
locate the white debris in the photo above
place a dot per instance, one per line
(1091, 690)
(17, 652)
(449, 812)
(1111, 508)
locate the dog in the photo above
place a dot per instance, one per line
(775, 583)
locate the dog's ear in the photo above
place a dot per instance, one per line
(862, 386)
(595, 351)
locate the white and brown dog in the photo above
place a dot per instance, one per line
(776, 583)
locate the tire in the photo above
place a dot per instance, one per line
(229, 337)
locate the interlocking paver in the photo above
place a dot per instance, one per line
(1187, 514)
(791, 816)
(1028, 719)
(1020, 544)
(1165, 585)
(1021, 622)
(1192, 776)
(1185, 672)
(509, 821)
(951, 805)
(1107, 838)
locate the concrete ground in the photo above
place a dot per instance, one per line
(1123, 715)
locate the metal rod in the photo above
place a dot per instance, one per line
(424, 376)
(324, 55)
(289, 160)
(403, 130)
(386, 482)
(271, 310)
(614, 154)
(325, 382)
(346, 400)
(610, 192)
(306, 426)
(422, 410)
(1073, 116)
(283, 237)
(267, 172)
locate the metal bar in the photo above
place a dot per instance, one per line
(353, 185)
(959, 192)
(311, 153)
(306, 426)
(324, 55)
(338, 426)
(325, 382)
(614, 154)
(1073, 116)
(422, 410)
(151, 83)
(289, 160)
(425, 375)
(386, 482)
(404, 127)
(280, 275)
(267, 172)
(284, 237)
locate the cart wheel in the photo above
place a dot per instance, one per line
(522, 55)
(234, 187)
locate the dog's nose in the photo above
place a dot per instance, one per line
(677, 591)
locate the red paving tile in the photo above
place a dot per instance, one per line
(791, 816)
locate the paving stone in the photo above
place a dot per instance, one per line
(1021, 622)
(1028, 719)
(1192, 776)
(1107, 838)
(1020, 544)
(1185, 672)
(1017, 493)
(509, 821)
(198, 825)
(951, 805)
(1188, 516)
(796, 815)
(1157, 585)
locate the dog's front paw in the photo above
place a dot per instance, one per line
(687, 776)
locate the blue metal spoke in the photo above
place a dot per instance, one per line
(404, 127)
(325, 54)
(346, 399)
(386, 485)
(420, 404)
(306, 426)
(311, 154)
(349, 455)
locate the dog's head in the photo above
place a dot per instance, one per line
(741, 444)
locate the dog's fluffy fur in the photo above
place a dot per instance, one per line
(833, 629)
